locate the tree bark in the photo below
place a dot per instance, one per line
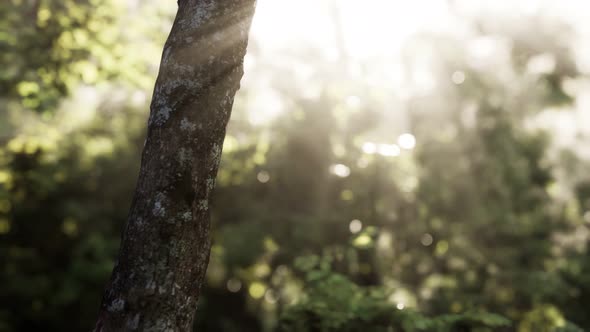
(165, 244)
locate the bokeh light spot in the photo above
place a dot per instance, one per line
(441, 248)
(369, 148)
(234, 285)
(389, 150)
(426, 239)
(355, 226)
(256, 290)
(458, 77)
(340, 170)
(406, 141)
(263, 177)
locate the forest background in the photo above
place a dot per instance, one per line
(388, 166)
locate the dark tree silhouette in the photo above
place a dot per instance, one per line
(165, 245)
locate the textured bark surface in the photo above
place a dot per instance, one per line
(165, 245)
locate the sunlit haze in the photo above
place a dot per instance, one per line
(387, 165)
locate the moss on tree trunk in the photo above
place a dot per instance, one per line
(165, 244)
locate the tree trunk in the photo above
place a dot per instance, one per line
(165, 245)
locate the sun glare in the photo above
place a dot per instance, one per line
(377, 40)
(359, 31)
(363, 28)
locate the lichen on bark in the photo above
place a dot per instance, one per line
(165, 245)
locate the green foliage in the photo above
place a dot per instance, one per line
(546, 318)
(53, 47)
(334, 303)
(60, 220)
(569, 327)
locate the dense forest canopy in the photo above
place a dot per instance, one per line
(387, 167)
